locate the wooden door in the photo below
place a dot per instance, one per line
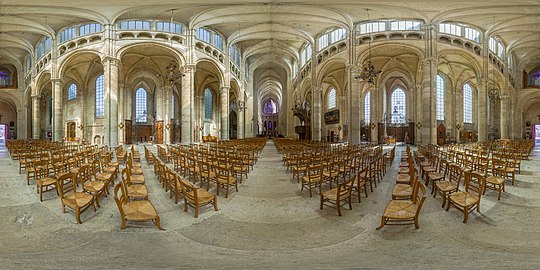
(71, 132)
(128, 136)
(441, 134)
(159, 132)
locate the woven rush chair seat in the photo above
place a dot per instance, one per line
(400, 209)
(78, 199)
(495, 183)
(403, 179)
(137, 191)
(139, 210)
(464, 198)
(402, 191)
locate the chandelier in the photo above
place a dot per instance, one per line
(369, 73)
(172, 74)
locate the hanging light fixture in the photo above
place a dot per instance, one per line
(172, 73)
(369, 73)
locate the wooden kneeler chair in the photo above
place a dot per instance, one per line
(137, 211)
(196, 197)
(402, 212)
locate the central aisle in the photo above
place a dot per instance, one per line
(271, 213)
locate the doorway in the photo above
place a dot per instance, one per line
(71, 134)
(3, 134)
(233, 125)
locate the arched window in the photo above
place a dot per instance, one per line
(331, 98)
(141, 105)
(72, 91)
(208, 96)
(100, 97)
(467, 103)
(440, 97)
(367, 108)
(270, 107)
(399, 106)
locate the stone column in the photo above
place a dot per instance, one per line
(241, 115)
(505, 114)
(482, 111)
(316, 121)
(429, 120)
(36, 129)
(187, 102)
(355, 113)
(376, 113)
(224, 92)
(110, 82)
(166, 98)
(121, 113)
(58, 133)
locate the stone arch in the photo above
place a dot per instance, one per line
(179, 56)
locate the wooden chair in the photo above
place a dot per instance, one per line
(338, 196)
(99, 175)
(196, 197)
(79, 201)
(496, 181)
(174, 186)
(468, 200)
(360, 183)
(84, 177)
(133, 191)
(401, 212)
(405, 191)
(440, 175)
(206, 173)
(447, 187)
(313, 178)
(239, 168)
(137, 211)
(225, 179)
(44, 183)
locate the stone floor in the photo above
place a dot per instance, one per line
(270, 224)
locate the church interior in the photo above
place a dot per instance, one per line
(269, 134)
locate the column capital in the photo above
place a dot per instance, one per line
(110, 60)
(429, 61)
(224, 89)
(316, 89)
(188, 68)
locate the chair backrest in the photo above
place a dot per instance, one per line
(498, 167)
(474, 183)
(416, 197)
(84, 173)
(126, 176)
(455, 174)
(41, 169)
(315, 171)
(96, 167)
(345, 189)
(66, 184)
(120, 197)
(189, 191)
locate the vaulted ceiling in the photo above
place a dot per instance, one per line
(270, 27)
